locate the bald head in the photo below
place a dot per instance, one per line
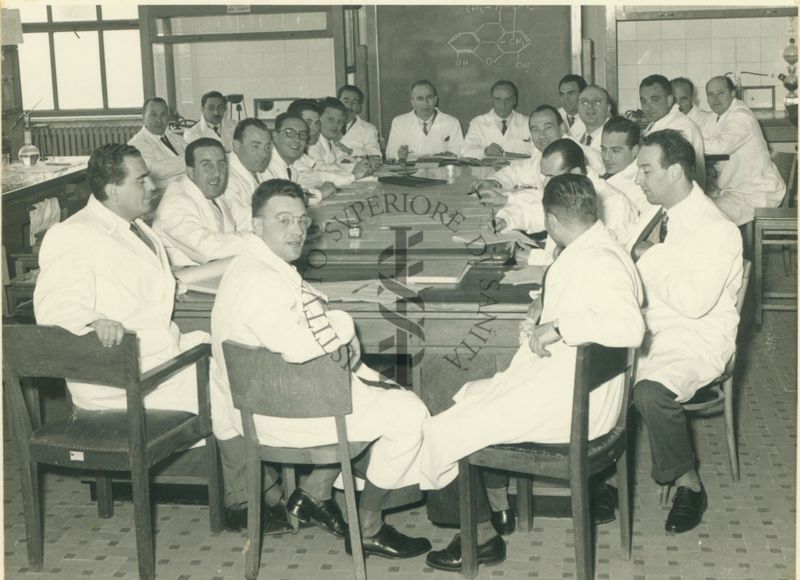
(720, 92)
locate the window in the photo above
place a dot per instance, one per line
(81, 59)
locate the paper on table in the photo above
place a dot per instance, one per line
(204, 278)
(361, 291)
(470, 237)
(526, 275)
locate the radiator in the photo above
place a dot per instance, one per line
(66, 140)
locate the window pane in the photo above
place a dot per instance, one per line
(123, 68)
(121, 11)
(66, 13)
(78, 70)
(28, 13)
(34, 71)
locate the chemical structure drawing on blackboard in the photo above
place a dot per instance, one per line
(493, 40)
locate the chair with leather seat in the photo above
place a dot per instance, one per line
(263, 383)
(574, 462)
(128, 440)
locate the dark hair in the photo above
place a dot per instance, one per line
(682, 81)
(675, 148)
(199, 144)
(571, 154)
(154, 100)
(238, 132)
(659, 80)
(571, 197)
(424, 83)
(633, 133)
(571, 78)
(331, 103)
(298, 106)
(552, 109)
(212, 95)
(107, 165)
(273, 188)
(508, 84)
(352, 89)
(283, 117)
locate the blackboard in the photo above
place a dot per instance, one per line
(463, 50)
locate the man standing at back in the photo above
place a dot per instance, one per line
(500, 130)
(212, 123)
(161, 150)
(425, 130)
(569, 89)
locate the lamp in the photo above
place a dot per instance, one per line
(238, 100)
(790, 80)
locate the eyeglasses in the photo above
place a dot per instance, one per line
(287, 220)
(294, 134)
(592, 103)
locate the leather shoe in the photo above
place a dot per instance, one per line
(504, 521)
(687, 510)
(274, 519)
(324, 514)
(604, 500)
(389, 543)
(489, 553)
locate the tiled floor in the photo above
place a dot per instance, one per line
(748, 532)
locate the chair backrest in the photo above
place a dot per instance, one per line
(742, 292)
(787, 166)
(645, 233)
(263, 383)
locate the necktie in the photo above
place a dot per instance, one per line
(605, 175)
(289, 172)
(215, 201)
(504, 127)
(169, 146)
(137, 231)
(216, 130)
(425, 127)
(586, 139)
(662, 230)
(649, 127)
(570, 119)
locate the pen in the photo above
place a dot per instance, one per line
(493, 223)
(360, 288)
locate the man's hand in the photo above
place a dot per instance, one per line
(402, 152)
(485, 185)
(344, 147)
(541, 337)
(492, 197)
(494, 150)
(109, 332)
(362, 169)
(327, 189)
(640, 249)
(498, 225)
(535, 309)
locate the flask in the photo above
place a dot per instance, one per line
(28, 153)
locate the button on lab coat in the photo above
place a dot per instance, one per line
(485, 130)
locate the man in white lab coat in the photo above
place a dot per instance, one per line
(358, 135)
(683, 91)
(329, 150)
(749, 179)
(594, 109)
(425, 130)
(662, 112)
(569, 89)
(263, 301)
(690, 279)
(212, 123)
(592, 294)
(252, 151)
(161, 150)
(500, 130)
(194, 223)
(619, 148)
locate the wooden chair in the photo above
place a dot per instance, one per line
(132, 440)
(648, 230)
(575, 462)
(263, 383)
(717, 396)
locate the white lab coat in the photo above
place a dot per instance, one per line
(94, 267)
(163, 164)
(749, 179)
(597, 138)
(263, 301)
(520, 173)
(577, 129)
(304, 171)
(690, 283)
(705, 120)
(444, 134)
(625, 181)
(594, 292)
(203, 129)
(686, 127)
(362, 138)
(485, 130)
(238, 194)
(325, 152)
(195, 230)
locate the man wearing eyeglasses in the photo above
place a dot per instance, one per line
(212, 123)
(263, 301)
(594, 109)
(252, 151)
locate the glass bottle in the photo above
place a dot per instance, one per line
(28, 153)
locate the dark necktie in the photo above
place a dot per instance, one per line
(504, 128)
(662, 230)
(425, 127)
(587, 139)
(215, 201)
(605, 175)
(169, 146)
(137, 231)
(216, 130)
(289, 172)
(570, 119)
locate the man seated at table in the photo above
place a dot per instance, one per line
(162, 151)
(252, 151)
(263, 301)
(425, 130)
(308, 110)
(212, 123)
(594, 109)
(691, 280)
(592, 294)
(192, 220)
(662, 112)
(328, 150)
(749, 179)
(619, 148)
(569, 89)
(358, 135)
(683, 91)
(500, 130)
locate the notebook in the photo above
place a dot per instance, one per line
(411, 180)
(446, 273)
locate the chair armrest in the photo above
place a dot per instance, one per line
(165, 370)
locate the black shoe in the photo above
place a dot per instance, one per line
(604, 500)
(324, 514)
(504, 521)
(687, 510)
(236, 518)
(274, 520)
(489, 553)
(389, 543)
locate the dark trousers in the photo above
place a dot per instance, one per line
(448, 499)
(668, 430)
(234, 472)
